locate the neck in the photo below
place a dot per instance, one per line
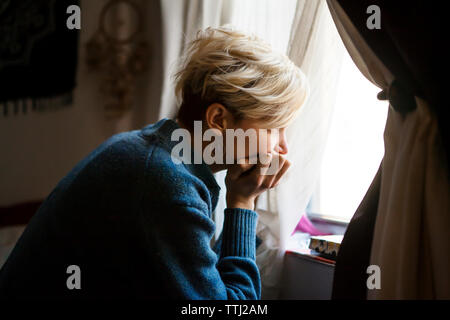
(214, 166)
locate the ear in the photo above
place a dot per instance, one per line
(218, 117)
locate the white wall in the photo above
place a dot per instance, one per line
(38, 149)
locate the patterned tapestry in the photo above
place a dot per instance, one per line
(38, 55)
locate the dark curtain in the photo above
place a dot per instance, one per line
(354, 253)
(412, 44)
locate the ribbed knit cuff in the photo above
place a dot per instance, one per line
(239, 233)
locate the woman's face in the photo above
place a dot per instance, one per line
(244, 138)
(267, 140)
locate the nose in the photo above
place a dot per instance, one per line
(282, 145)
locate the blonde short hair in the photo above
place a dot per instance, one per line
(243, 73)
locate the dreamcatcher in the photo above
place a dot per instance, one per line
(118, 52)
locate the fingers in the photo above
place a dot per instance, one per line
(265, 174)
(238, 169)
(280, 173)
(275, 172)
(262, 166)
(278, 167)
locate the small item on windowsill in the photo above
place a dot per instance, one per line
(326, 246)
(298, 244)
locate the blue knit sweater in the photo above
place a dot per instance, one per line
(137, 225)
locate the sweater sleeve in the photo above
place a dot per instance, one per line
(238, 252)
(190, 268)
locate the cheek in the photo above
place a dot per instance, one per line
(265, 143)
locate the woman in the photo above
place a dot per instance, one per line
(129, 220)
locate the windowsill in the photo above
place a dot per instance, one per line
(309, 257)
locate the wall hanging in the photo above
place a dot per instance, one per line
(38, 55)
(118, 52)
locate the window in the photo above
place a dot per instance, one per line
(355, 146)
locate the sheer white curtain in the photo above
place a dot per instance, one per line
(316, 48)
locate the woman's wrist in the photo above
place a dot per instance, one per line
(241, 204)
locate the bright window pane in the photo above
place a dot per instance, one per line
(355, 146)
